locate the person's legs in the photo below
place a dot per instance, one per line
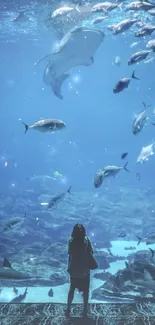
(85, 298)
(70, 298)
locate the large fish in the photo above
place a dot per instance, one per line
(47, 125)
(7, 272)
(77, 48)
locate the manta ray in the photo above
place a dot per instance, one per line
(77, 48)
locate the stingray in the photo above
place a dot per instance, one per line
(77, 48)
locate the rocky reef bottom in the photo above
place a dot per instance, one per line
(99, 314)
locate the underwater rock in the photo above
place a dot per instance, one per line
(58, 278)
(102, 276)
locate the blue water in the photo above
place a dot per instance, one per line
(99, 122)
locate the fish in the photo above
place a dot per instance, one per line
(140, 120)
(104, 6)
(7, 272)
(124, 155)
(13, 223)
(151, 12)
(123, 83)
(98, 180)
(55, 199)
(151, 44)
(139, 56)
(140, 5)
(145, 30)
(50, 293)
(123, 25)
(61, 11)
(146, 153)
(15, 290)
(113, 170)
(117, 61)
(62, 21)
(76, 48)
(150, 239)
(98, 20)
(107, 171)
(47, 125)
(152, 253)
(20, 298)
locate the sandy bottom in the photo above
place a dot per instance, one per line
(40, 294)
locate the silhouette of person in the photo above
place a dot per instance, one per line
(78, 249)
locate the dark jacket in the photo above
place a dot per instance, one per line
(78, 258)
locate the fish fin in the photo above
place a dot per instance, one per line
(139, 240)
(69, 190)
(146, 106)
(42, 59)
(90, 61)
(152, 252)
(6, 263)
(26, 127)
(127, 265)
(147, 275)
(153, 48)
(127, 170)
(57, 83)
(133, 76)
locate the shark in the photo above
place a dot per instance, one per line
(76, 48)
(7, 272)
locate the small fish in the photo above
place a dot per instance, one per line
(140, 5)
(20, 17)
(15, 290)
(123, 83)
(140, 120)
(117, 61)
(150, 239)
(145, 30)
(105, 6)
(122, 26)
(12, 223)
(99, 20)
(124, 155)
(61, 11)
(139, 56)
(151, 44)
(20, 298)
(47, 125)
(152, 253)
(57, 198)
(146, 153)
(50, 293)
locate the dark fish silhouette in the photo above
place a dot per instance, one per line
(139, 240)
(57, 198)
(15, 290)
(152, 252)
(123, 83)
(122, 235)
(50, 293)
(20, 298)
(124, 155)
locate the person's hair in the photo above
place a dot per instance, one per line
(79, 233)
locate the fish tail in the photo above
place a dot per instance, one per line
(145, 105)
(152, 252)
(139, 240)
(133, 75)
(26, 127)
(69, 190)
(127, 170)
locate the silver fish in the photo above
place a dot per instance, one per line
(139, 56)
(140, 120)
(47, 125)
(123, 83)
